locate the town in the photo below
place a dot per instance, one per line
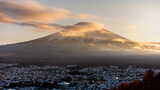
(70, 77)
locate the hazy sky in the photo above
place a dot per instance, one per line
(134, 19)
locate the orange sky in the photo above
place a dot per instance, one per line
(137, 20)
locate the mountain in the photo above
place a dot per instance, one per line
(77, 44)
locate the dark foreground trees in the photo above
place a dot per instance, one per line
(151, 81)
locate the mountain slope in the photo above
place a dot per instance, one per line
(74, 44)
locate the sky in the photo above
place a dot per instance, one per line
(21, 20)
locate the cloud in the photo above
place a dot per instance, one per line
(5, 19)
(42, 26)
(31, 11)
(86, 16)
(81, 28)
(86, 25)
(120, 40)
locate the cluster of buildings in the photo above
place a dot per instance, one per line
(70, 77)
